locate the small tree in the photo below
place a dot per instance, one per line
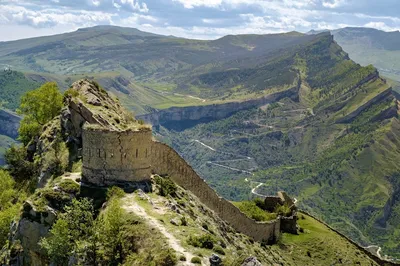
(57, 245)
(72, 233)
(19, 167)
(38, 107)
(112, 221)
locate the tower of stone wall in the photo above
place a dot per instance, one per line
(111, 157)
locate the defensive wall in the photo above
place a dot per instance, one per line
(166, 160)
(114, 157)
(110, 157)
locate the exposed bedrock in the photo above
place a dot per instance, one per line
(194, 114)
(9, 124)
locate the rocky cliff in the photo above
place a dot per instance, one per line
(181, 117)
(9, 123)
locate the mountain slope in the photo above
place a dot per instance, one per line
(66, 221)
(317, 143)
(370, 46)
(336, 148)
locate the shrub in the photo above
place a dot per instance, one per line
(167, 186)
(69, 186)
(167, 258)
(205, 241)
(71, 93)
(260, 203)
(219, 250)
(283, 210)
(182, 258)
(195, 260)
(115, 192)
(19, 167)
(184, 221)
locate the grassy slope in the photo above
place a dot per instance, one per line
(13, 85)
(370, 46)
(312, 246)
(325, 245)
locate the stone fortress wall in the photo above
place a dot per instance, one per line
(112, 157)
(166, 160)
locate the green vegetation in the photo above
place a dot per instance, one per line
(315, 245)
(338, 160)
(20, 168)
(13, 85)
(5, 143)
(195, 260)
(38, 107)
(113, 237)
(204, 241)
(10, 203)
(166, 186)
(252, 210)
(370, 46)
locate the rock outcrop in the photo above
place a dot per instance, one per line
(203, 113)
(9, 123)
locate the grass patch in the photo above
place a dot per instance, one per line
(251, 209)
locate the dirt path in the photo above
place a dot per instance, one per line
(253, 191)
(131, 205)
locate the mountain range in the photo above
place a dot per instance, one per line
(323, 127)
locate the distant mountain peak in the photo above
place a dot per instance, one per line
(118, 29)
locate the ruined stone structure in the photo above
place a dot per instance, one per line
(111, 157)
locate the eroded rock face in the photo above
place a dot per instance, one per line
(191, 114)
(9, 124)
(27, 233)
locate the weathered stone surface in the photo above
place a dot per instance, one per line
(251, 261)
(110, 157)
(215, 260)
(166, 160)
(175, 222)
(9, 124)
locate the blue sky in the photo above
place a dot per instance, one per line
(200, 19)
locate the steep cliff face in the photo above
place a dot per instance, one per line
(183, 117)
(9, 123)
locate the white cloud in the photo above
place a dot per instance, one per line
(238, 3)
(136, 19)
(132, 5)
(381, 26)
(52, 17)
(333, 3)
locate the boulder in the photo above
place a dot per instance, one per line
(251, 261)
(215, 260)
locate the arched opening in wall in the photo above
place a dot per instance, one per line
(146, 153)
(99, 152)
(137, 152)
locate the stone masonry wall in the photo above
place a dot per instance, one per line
(166, 160)
(111, 157)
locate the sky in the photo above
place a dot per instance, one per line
(199, 19)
